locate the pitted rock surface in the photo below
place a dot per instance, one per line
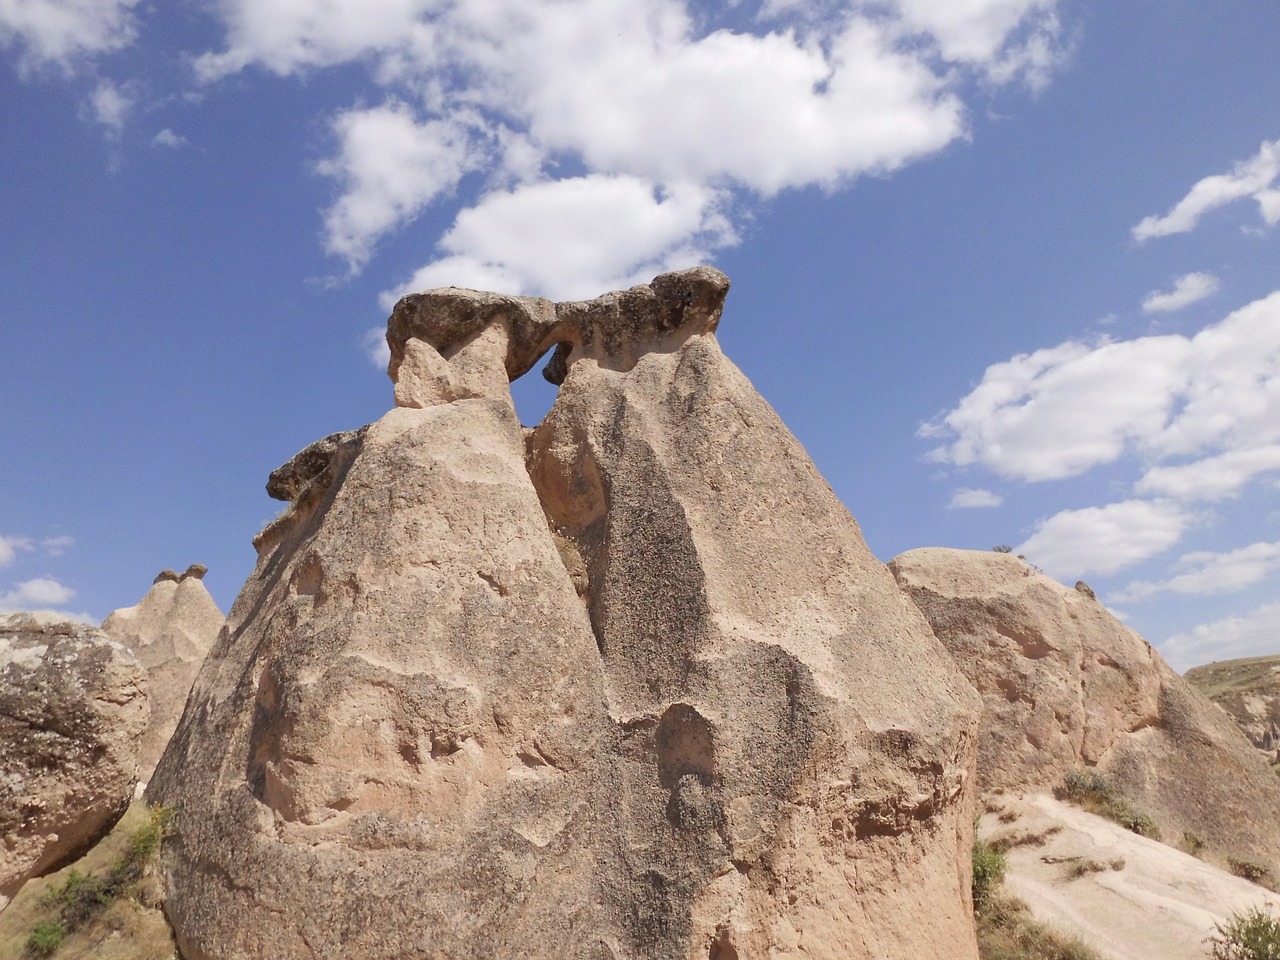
(1067, 686)
(645, 694)
(169, 631)
(73, 706)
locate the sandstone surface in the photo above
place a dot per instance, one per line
(1249, 691)
(169, 631)
(1067, 686)
(73, 705)
(644, 695)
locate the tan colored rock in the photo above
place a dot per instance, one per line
(797, 747)
(1067, 686)
(73, 705)
(690, 717)
(1249, 691)
(399, 747)
(170, 630)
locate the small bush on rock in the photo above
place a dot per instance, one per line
(1252, 935)
(1092, 791)
(989, 866)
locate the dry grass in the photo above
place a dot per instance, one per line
(1006, 931)
(126, 929)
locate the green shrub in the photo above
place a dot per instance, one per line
(1252, 935)
(1250, 870)
(1092, 791)
(1006, 931)
(989, 866)
(45, 938)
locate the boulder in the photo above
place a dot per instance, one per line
(1067, 686)
(73, 706)
(169, 631)
(630, 686)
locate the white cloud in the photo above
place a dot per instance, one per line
(561, 238)
(111, 104)
(56, 546)
(1186, 290)
(1204, 572)
(1254, 634)
(1104, 539)
(1252, 178)
(167, 138)
(390, 166)
(1061, 411)
(649, 91)
(63, 32)
(9, 547)
(1211, 478)
(375, 347)
(38, 594)
(966, 498)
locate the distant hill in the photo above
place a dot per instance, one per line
(1249, 690)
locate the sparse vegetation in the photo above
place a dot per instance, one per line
(1006, 931)
(1252, 935)
(1192, 842)
(1251, 870)
(989, 866)
(1092, 791)
(1084, 866)
(81, 898)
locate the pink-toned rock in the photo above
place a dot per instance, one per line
(73, 705)
(170, 630)
(1067, 686)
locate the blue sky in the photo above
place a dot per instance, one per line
(1008, 268)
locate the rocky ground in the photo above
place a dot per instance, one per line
(1249, 690)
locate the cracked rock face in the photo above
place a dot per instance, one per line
(1067, 686)
(644, 694)
(169, 631)
(73, 705)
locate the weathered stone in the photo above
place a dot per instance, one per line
(399, 746)
(170, 630)
(1068, 686)
(169, 575)
(309, 465)
(796, 746)
(646, 696)
(73, 705)
(195, 571)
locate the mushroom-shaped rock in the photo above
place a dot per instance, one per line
(73, 706)
(1067, 686)
(169, 631)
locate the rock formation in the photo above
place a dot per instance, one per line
(647, 695)
(170, 630)
(1249, 691)
(1067, 686)
(73, 705)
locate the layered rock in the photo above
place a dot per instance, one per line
(1249, 691)
(169, 631)
(1065, 685)
(682, 713)
(73, 706)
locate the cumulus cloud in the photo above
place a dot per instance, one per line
(579, 250)
(1061, 411)
(38, 594)
(110, 104)
(966, 498)
(9, 547)
(167, 138)
(1251, 635)
(1204, 572)
(1104, 539)
(621, 98)
(1186, 290)
(1211, 478)
(1252, 178)
(390, 166)
(63, 33)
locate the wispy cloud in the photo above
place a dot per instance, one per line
(1205, 572)
(1186, 290)
(1249, 635)
(1252, 178)
(9, 547)
(1105, 539)
(65, 33)
(966, 498)
(167, 138)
